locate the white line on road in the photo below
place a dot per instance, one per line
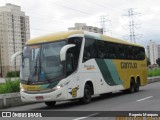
(80, 118)
(144, 98)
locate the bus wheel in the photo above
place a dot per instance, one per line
(132, 86)
(87, 95)
(50, 103)
(137, 85)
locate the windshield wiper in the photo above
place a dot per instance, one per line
(34, 71)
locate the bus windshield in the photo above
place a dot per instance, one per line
(41, 63)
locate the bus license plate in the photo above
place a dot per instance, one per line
(39, 97)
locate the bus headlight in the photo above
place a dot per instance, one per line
(60, 86)
(21, 88)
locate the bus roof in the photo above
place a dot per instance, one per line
(65, 34)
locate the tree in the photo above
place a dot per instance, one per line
(13, 74)
(158, 61)
(148, 62)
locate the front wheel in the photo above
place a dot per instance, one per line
(87, 95)
(50, 103)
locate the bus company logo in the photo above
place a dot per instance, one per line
(6, 114)
(74, 91)
(126, 65)
(89, 67)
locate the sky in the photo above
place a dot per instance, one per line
(49, 16)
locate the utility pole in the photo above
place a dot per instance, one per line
(104, 22)
(133, 36)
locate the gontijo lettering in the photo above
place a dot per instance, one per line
(125, 65)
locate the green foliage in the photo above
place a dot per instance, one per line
(158, 61)
(155, 72)
(9, 87)
(13, 74)
(148, 62)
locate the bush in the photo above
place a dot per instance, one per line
(13, 74)
(155, 72)
(9, 87)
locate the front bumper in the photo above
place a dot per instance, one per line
(57, 95)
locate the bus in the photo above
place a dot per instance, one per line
(75, 65)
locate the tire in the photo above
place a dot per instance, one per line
(87, 95)
(50, 104)
(137, 85)
(132, 86)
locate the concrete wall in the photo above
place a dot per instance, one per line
(9, 100)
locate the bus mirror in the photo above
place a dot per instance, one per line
(64, 50)
(13, 57)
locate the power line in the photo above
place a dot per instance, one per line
(103, 6)
(74, 9)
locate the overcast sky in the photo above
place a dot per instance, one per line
(49, 16)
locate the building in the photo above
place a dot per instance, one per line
(153, 51)
(14, 32)
(83, 26)
(158, 51)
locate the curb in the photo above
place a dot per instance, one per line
(153, 79)
(14, 99)
(9, 100)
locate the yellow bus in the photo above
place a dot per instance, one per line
(78, 64)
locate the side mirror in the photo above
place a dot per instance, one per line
(13, 57)
(64, 50)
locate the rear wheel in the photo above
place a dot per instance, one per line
(137, 85)
(132, 86)
(50, 103)
(87, 95)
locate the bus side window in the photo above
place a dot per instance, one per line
(73, 54)
(70, 63)
(89, 49)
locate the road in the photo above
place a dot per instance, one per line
(147, 99)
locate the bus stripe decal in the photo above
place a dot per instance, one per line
(105, 72)
(113, 71)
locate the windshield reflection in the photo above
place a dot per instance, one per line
(41, 63)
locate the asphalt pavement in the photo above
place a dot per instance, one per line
(147, 99)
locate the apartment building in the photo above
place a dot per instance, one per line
(83, 26)
(14, 32)
(153, 51)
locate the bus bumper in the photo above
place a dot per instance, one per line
(57, 95)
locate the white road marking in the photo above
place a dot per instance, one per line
(80, 118)
(144, 98)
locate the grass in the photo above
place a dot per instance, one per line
(9, 87)
(155, 72)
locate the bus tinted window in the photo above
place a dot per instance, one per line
(110, 50)
(89, 49)
(74, 53)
